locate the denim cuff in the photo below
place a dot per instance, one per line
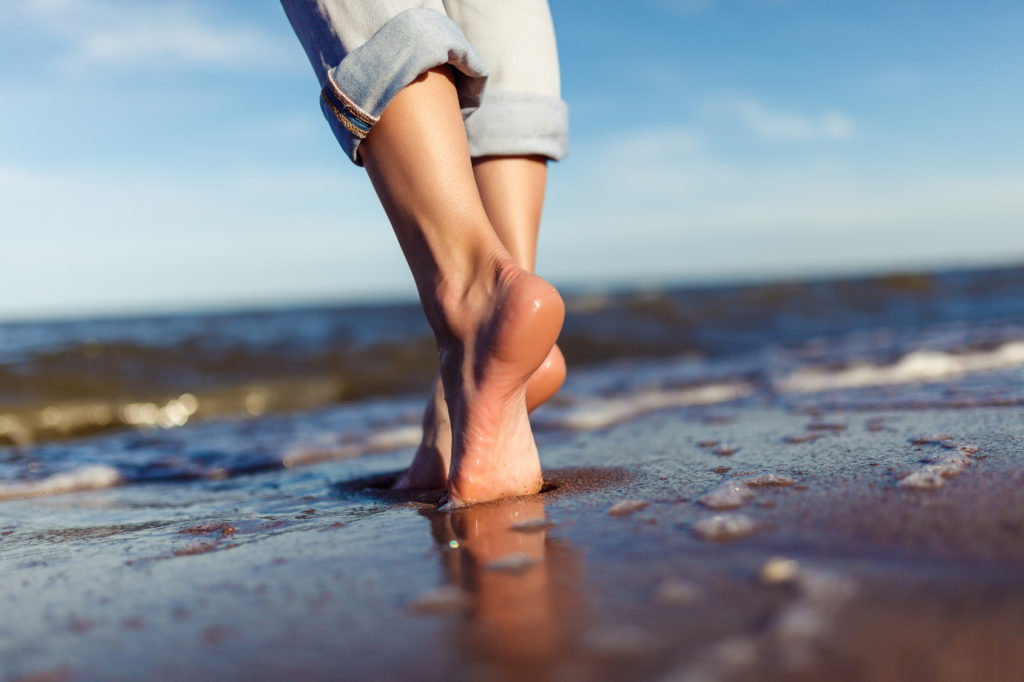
(512, 123)
(412, 42)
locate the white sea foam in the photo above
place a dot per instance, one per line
(384, 440)
(936, 470)
(86, 478)
(404, 436)
(918, 366)
(599, 413)
(727, 495)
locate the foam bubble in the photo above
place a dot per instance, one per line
(443, 599)
(768, 480)
(825, 588)
(531, 525)
(923, 480)
(724, 527)
(623, 507)
(727, 495)
(676, 592)
(934, 473)
(778, 570)
(516, 562)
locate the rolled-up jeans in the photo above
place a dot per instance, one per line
(502, 52)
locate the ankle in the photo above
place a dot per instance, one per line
(462, 300)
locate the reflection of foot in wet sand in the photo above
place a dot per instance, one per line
(523, 586)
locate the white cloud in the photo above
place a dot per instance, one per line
(126, 36)
(655, 162)
(127, 237)
(667, 204)
(782, 126)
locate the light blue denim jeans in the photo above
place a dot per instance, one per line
(503, 53)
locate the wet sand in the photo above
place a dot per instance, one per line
(684, 544)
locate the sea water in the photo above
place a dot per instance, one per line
(192, 398)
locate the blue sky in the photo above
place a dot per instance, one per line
(168, 155)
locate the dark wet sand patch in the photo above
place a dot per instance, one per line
(802, 438)
(826, 426)
(208, 528)
(201, 548)
(61, 535)
(557, 483)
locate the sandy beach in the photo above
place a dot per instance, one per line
(736, 288)
(684, 544)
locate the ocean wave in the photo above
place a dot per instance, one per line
(93, 477)
(915, 367)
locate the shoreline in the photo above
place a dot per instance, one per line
(843, 574)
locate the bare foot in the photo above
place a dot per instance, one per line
(499, 335)
(429, 468)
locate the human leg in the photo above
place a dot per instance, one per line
(521, 124)
(494, 321)
(512, 190)
(364, 54)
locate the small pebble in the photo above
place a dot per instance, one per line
(725, 450)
